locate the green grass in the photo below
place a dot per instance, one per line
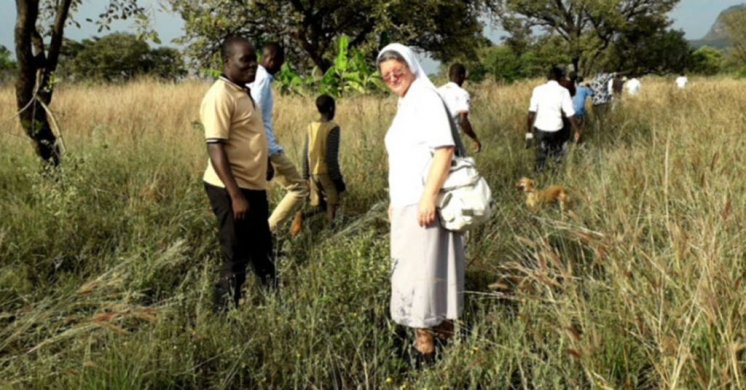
(106, 267)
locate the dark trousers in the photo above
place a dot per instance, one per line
(550, 145)
(243, 242)
(566, 129)
(600, 112)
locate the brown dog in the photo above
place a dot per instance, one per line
(549, 195)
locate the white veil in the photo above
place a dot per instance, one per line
(412, 63)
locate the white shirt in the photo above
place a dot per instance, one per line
(261, 92)
(549, 101)
(456, 98)
(681, 82)
(419, 127)
(633, 86)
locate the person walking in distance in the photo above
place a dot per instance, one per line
(601, 98)
(285, 173)
(583, 92)
(633, 86)
(549, 102)
(235, 178)
(567, 82)
(459, 102)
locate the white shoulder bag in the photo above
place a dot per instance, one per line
(465, 201)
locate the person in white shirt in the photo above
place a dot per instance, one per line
(458, 101)
(682, 81)
(428, 264)
(633, 86)
(549, 102)
(285, 172)
(610, 86)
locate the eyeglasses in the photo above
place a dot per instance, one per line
(393, 76)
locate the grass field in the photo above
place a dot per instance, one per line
(106, 269)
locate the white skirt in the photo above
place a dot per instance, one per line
(427, 277)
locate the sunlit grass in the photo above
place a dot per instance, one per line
(106, 270)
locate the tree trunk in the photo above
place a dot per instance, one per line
(310, 45)
(576, 65)
(33, 70)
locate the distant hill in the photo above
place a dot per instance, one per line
(716, 37)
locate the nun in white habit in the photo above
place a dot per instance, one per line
(427, 279)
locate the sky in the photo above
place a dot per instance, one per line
(694, 17)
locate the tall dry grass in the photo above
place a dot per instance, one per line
(106, 268)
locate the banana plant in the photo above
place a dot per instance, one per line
(350, 74)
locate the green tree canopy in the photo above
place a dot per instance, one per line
(7, 65)
(309, 29)
(658, 52)
(707, 60)
(6, 62)
(119, 57)
(506, 63)
(588, 28)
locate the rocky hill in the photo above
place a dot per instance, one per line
(717, 37)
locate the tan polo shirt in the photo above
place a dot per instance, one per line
(229, 116)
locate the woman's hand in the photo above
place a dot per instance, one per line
(439, 169)
(427, 212)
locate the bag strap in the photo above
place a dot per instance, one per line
(460, 149)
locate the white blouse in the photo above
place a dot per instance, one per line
(419, 127)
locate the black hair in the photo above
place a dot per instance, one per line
(228, 47)
(275, 50)
(457, 70)
(556, 73)
(325, 104)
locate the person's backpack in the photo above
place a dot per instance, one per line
(465, 200)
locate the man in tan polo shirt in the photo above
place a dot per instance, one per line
(235, 179)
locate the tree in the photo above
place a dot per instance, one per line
(309, 29)
(588, 28)
(7, 65)
(115, 57)
(6, 62)
(120, 57)
(504, 64)
(166, 63)
(39, 34)
(707, 60)
(659, 52)
(734, 23)
(508, 63)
